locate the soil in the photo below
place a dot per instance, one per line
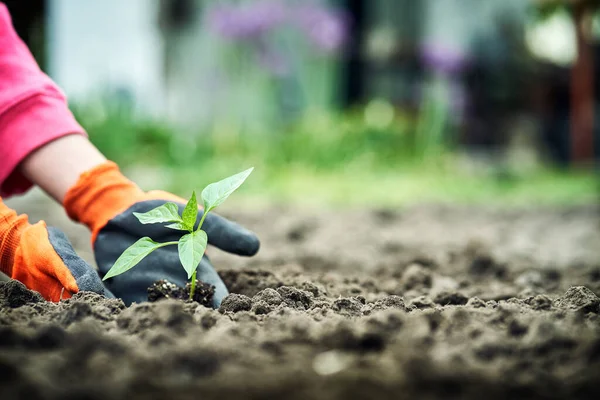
(429, 302)
(163, 289)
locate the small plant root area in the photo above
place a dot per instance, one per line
(164, 289)
(431, 302)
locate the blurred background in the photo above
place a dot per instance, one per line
(355, 102)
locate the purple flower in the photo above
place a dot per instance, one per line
(246, 21)
(443, 59)
(271, 60)
(327, 28)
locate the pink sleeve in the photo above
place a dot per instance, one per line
(33, 110)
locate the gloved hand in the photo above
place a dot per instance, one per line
(43, 259)
(104, 200)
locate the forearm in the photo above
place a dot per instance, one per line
(56, 166)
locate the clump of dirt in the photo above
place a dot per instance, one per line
(438, 303)
(15, 295)
(163, 289)
(580, 298)
(235, 303)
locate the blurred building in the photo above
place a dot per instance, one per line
(165, 57)
(106, 48)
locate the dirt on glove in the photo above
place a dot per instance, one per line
(433, 302)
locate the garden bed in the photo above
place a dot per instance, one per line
(428, 302)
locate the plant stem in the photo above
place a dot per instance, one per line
(204, 214)
(193, 288)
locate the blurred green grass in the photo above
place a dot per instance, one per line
(352, 158)
(386, 188)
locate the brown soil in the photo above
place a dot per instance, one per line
(429, 302)
(163, 289)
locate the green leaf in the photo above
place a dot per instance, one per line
(191, 249)
(168, 212)
(216, 193)
(179, 226)
(190, 213)
(132, 256)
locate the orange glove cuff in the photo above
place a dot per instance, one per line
(27, 255)
(99, 195)
(102, 193)
(11, 229)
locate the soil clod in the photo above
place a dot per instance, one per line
(235, 303)
(14, 294)
(295, 297)
(579, 298)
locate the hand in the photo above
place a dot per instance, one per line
(43, 258)
(105, 201)
(124, 229)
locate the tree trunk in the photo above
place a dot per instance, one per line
(582, 91)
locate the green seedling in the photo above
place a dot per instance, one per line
(192, 245)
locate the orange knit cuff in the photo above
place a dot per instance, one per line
(99, 195)
(11, 229)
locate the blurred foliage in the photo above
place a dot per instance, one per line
(546, 8)
(321, 140)
(375, 156)
(123, 138)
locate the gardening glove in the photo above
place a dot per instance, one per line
(104, 200)
(43, 259)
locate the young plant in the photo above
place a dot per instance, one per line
(190, 246)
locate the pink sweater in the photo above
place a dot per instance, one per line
(33, 110)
